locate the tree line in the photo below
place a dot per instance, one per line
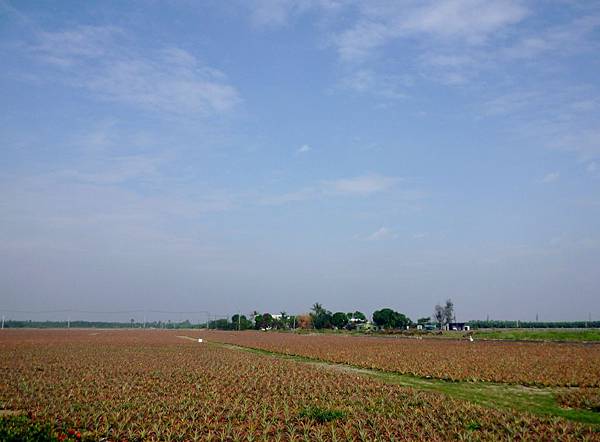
(320, 318)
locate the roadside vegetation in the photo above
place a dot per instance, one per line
(561, 334)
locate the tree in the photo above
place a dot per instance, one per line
(220, 324)
(263, 321)
(444, 315)
(449, 311)
(283, 322)
(304, 321)
(339, 319)
(438, 314)
(317, 309)
(240, 322)
(388, 318)
(360, 316)
(321, 318)
(357, 316)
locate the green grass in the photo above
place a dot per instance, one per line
(536, 400)
(322, 414)
(539, 334)
(530, 399)
(21, 428)
(551, 334)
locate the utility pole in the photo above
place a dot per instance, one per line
(2, 322)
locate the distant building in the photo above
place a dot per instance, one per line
(460, 326)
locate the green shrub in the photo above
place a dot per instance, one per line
(322, 414)
(23, 429)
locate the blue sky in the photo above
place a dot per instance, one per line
(267, 155)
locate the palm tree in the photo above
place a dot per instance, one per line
(317, 309)
(284, 319)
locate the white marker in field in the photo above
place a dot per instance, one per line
(199, 339)
(471, 338)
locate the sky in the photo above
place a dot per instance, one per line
(266, 155)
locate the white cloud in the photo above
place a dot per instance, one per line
(289, 197)
(558, 40)
(512, 103)
(558, 117)
(357, 43)
(277, 13)
(68, 47)
(116, 170)
(551, 177)
(102, 61)
(471, 21)
(360, 186)
(383, 86)
(584, 142)
(382, 233)
(304, 149)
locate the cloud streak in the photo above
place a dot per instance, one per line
(363, 185)
(305, 148)
(107, 65)
(358, 187)
(470, 21)
(382, 234)
(550, 177)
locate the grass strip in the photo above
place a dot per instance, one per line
(536, 400)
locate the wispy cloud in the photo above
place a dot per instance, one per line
(584, 142)
(559, 40)
(116, 170)
(449, 42)
(289, 197)
(68, 47)
(305, 148)
(383, 86)
(383, 233)
(360, 186)
(557, 116)
(550, 177)
(103, 61)
(277, 13)
(470, 21)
